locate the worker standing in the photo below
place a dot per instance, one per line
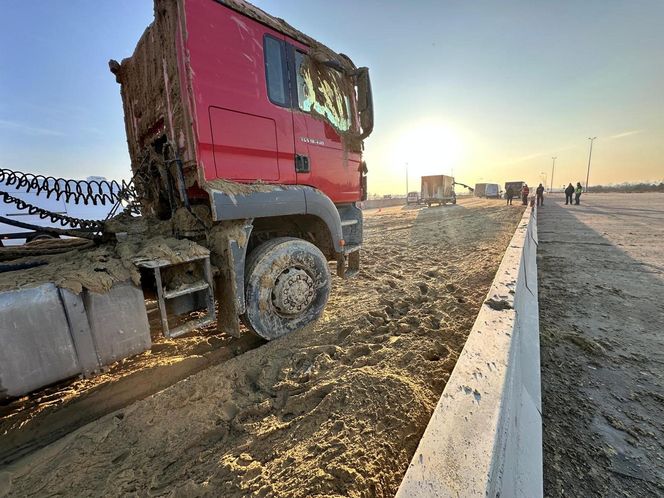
(578, 191)
(568, 194)
(539, 192)
(525, 191)
(509, 195)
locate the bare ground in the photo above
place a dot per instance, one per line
(601, 289)
(333, 410)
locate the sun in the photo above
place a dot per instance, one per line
(430, 147)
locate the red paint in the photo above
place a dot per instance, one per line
(239, 133)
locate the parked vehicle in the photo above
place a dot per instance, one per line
(412, 198)
(438, 189)
(488, 190)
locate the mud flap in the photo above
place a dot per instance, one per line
(230, 254)
(348, 265)
(225, 290)
(353, 263)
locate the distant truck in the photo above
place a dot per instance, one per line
(437, 189)
(412, 198)
(488, 190)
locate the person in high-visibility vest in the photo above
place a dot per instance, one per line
(525, 191)
(578, 192)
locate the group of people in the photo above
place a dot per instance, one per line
(539, 194)
(510, 193)
(570, 190)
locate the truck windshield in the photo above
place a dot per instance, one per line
(324, 91)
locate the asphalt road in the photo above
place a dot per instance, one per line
(601, 290)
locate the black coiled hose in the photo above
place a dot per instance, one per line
(62, 219)
(79, 191)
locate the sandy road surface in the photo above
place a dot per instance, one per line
(334, 410)
(601, 289)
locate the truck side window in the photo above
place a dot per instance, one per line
(331, 101)
(275, 71)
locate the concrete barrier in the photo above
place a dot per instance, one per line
(381, 203)
(48, 334)
(485, 435)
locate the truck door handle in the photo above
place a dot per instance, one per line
(302, 164)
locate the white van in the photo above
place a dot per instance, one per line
(492, 190)
(488, 190)
(413, 198)
(12, 235)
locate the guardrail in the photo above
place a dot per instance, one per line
(485, 435)
(381, 203)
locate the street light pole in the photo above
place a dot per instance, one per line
(590, 155)
(553, 167)
(406, 179)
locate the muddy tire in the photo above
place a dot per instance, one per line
(287, 284)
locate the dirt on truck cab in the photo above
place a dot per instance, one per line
(243, 120)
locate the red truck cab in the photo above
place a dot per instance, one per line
(219, 93)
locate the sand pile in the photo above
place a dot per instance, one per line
(333, 410)
(98, 268)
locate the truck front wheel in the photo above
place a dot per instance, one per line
(287, 284)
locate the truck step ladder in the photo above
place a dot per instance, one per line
(164, 295)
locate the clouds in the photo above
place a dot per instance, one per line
(625, 134)
(25, 129)
(569, 146)
(552, 152)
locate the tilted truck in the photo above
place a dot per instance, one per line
(252, 133)
(437, 189)
(222, 92)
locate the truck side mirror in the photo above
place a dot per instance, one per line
(364, 101)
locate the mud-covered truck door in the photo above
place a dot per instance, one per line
(325, 102)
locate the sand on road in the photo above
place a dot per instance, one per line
(601, 289)
(333, 410)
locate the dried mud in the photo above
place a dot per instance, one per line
(333, 410)
(236, 188)
(99, 268)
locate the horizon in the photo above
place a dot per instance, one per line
(482, 91)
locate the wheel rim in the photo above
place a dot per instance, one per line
(293, 291)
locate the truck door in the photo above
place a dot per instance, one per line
(331, 167)
(242, 81)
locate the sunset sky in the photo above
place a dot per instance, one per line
(487, 90)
